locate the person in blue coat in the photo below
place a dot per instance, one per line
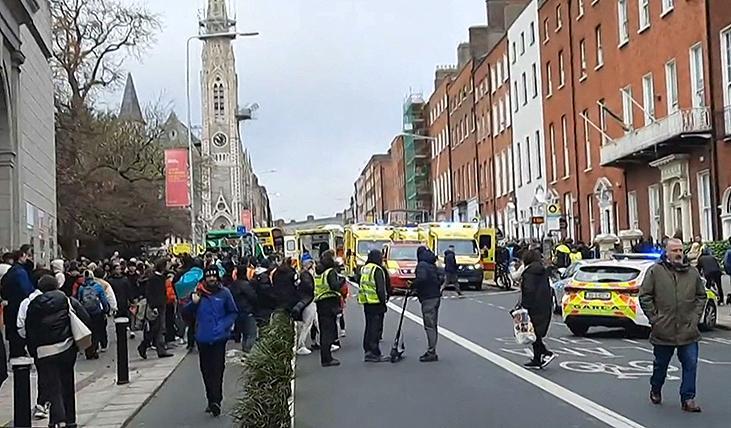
(15, 286)
(215, 313)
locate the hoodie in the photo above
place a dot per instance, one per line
(57, 266)
(427, 283)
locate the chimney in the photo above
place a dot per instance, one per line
(495, 13)
(463, 54)
(442, 73)
(310, 218)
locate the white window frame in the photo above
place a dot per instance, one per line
(599, 57)
(504, 168)
(648, 98)
(587, 141)
(539, 163)
(627, 108)
(671, 86)
(519, 163)
(495, 121)
(511, 166)
(559, 18)
(565, 138)
(655, 208)
(493, 80)
(515, 104)
(582, 58)
(667, 6)
(726, 73)
(522, 43)
(549, 83)
(580, 6)
(528, 162)
(501, 112)
(535, 79)
(590, 209)
(532, 34)
(552, 141)
(506, 68)
(634, 221)
(525, 89)
(602, 122)
(623, 22)
(561, 70)
(697, 78)
(515, 52)
(705, 205)
(644, 14)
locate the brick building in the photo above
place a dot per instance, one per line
(376, 191)
(438, 125)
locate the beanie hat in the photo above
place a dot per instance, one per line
(212, 271)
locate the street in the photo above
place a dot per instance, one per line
(600, 380)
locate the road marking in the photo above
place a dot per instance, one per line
(502, 308)
(603, 414)
(634, 342)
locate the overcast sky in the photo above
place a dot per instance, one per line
(330, 77)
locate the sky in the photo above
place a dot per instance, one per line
(330, 78)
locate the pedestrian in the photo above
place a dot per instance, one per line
(451, 269)
(215, 312)
(427, 286)
(673, 297)
(99, 276)
(694, 253)
(305, 312)
(535, 297)
(58, 272)
(156, 296)
(245, 298)
(170, 300)
(46, 324)
(94, 301)
(327, 299)
(15, 286)
(122, 289)
(373, 295)
(284, 284)
(710, 269)
(6, 262)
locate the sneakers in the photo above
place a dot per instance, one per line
(334, 348)
(215, 409)
(429, 357)
(303, 351)
(331, 363)
(532, 364)
(41, 412)
(547, 359)
(103, 349)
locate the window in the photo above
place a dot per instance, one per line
(582, 57)
(623, 22)
(493, 81)
(667, 6)
(704, 205)
(671, 83)
(627, 108)
(552, 141)
(644, 14)
(566, 164)
(219, 109)
(726, 72)
(539, 164)
(501, 112)
(534, 76)
(580, 6)
(632, 208)
(655, 205)
(510, 170)
(519, 164)
(515, 90)
(697, 79)
(532, 34)
(515, 53)
(499, 74)
(602, 122)
(522, 43)
(599, 48)
(549, 83)
(504, 168)
(525, 89)
(507, 110)
(559, 21)
(561, 73)
(568, 207)
(545, 31)
(590, 208)
(648, 99)
(587, 140)
(528, 155)
(495, 122)
(506, 74)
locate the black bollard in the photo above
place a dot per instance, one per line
(21, 391)
(122, 354)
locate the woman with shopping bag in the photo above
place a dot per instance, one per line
(50, 324)
(536, 299)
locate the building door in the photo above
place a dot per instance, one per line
(655, 212)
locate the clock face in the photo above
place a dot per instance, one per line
(219, 140)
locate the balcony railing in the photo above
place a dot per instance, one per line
(686, 121)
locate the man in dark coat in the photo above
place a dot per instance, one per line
(15, 286)
(245, 297)
(710, 269)
(673, 297)
(427, 286)
(451, 269)
(373, 295)
(536, 298)
(156, 295)
(122, 290)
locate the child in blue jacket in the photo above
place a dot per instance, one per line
(215, 312)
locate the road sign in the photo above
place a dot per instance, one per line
(537, 220)
(553, 210)
(241, 230)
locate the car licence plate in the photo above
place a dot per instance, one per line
(598, 295)
(463, 280)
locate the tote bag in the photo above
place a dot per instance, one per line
(81, 333)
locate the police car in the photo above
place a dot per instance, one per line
(606, 294)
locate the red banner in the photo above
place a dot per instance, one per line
(176, 178)
(246, 219)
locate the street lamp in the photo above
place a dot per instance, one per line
(439, 156)
(231, 35)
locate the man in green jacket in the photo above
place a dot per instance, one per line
(673, 297)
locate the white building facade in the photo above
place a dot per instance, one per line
(527, 112)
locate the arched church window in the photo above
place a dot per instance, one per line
(219, 109)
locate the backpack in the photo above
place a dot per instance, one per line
(188, 282)
(91, 301)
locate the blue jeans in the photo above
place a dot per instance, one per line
(688, 356)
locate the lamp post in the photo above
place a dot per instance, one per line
(439, 156)
(231, 35)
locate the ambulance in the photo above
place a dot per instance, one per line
(470, 244)
(360, 239)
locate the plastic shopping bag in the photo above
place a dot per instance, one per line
(522, 327)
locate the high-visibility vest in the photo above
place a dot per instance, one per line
(368, 293)
(575, 256)
(322, 288)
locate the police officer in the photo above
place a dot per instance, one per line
(373, 295)
(327, 299)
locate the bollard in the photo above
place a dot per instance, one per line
(120, 325)
(21, 391)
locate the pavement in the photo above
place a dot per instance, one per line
(599, 380)
(100, 402)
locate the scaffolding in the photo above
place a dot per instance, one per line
(417, 167)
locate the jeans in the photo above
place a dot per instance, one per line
(58, 372)
(327, 312)
(688, 356)
(309, 313)
(374, 315)
(154, 332)
(430, 314)
(212, 358)
(246, 326)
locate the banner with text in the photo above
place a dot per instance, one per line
(246, 219)
(176, 178)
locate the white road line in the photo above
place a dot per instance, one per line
(603, 414)
(634, 342)
(502, 308)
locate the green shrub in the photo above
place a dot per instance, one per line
(267, 378)
(718, 249)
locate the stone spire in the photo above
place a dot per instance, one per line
(217, 19)
(130, 108)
